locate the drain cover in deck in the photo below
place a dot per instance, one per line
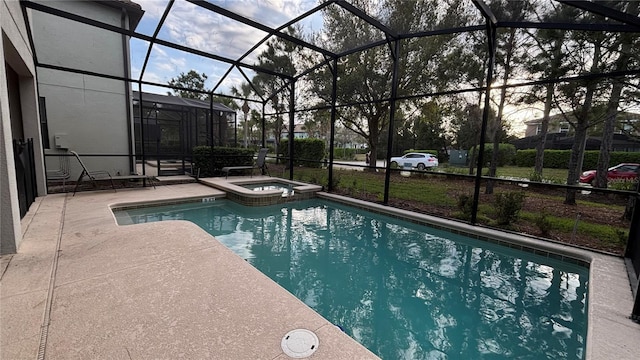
(299, 343)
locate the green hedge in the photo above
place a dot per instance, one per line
(506, 154)
(346, 153)
(432, 152)
(210, 161)
(307, 152)
(559, 159)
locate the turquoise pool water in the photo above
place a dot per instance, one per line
(403, 290)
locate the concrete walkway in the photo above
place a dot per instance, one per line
(82, 287)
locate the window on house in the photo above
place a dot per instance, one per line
(628, 126)
(44, 128)
(538, 129)
(564, 127)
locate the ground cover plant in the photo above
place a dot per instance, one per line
(595, 222)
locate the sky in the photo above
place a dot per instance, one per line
(198, 28)
(201, 29)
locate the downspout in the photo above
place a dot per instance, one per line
(124, 23)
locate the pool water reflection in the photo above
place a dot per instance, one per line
(401, 289)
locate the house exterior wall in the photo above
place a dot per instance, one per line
(554, 127)
(625, 122)
(15, 52)
(89, 112)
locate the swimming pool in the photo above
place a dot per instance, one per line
(403, 290)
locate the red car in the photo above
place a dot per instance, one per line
(620, 171)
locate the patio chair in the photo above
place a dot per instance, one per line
(91, 175)
(105, 175)
(261, 164)
(63, 171)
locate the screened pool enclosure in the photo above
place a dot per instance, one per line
(453, 75)
(172, 126)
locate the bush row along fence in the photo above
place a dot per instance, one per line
(311, 153)
(347, 153)
(559, 159)
(308, 152)
(554, 159)
(209, 160)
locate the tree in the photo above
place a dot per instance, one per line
(625, 43)
(548, 63)
(191, 80)
(422, 129)
(511, 50)
(365, 77)
(278, 57)
(244, 91)
(580, 96)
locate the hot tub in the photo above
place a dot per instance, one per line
(260, 191)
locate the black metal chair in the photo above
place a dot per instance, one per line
(261, 163)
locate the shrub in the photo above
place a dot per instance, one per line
(210, 160)
(433, 152)
(336, 181)
(508, 206)
(623, 184)
(534, 176)
(465, 204)
(306, 152)
(344, 153)
(506, 153)
(559, 159)
(544, 223)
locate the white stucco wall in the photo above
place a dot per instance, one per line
(90, 110)
(16, 52)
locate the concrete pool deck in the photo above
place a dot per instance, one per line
(82, 287)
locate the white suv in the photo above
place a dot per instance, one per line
(419, 161)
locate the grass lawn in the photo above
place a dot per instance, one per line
(597, 218)
(556, 176)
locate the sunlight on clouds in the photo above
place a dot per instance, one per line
(160, 51)
(200, 29)
(195, 27)
(165, 67)
(152, 8)
(178, 62)
(153, 77)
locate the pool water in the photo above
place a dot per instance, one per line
(403, 290)
(286, 189)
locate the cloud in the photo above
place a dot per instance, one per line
(198, 28)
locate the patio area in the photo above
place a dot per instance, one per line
(82, 287)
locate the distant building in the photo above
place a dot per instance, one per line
(300, 131)
(560, 134)
(626, 123)
(562, 141)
